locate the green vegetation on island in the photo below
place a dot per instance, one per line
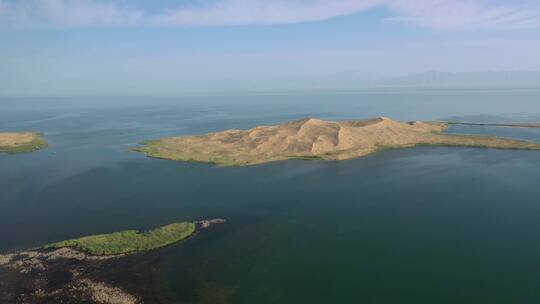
(129, 241)
(21, 142)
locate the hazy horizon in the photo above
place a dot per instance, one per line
(112, 47)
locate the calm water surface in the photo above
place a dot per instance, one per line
(426, 225)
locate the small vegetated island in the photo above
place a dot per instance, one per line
(100, 269)
(316, 139)
(128, 241)
(21, 142)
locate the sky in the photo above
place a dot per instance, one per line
(138, 47)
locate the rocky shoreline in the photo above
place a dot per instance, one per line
(65, 275)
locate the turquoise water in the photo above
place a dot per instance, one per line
(425, 225)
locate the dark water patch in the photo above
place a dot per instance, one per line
(423, 225)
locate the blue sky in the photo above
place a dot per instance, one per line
(99, 47)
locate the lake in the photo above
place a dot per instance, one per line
(422, 225)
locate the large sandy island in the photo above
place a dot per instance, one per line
(18, 142)
(316, 139)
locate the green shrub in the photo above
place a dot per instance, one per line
(130, 240)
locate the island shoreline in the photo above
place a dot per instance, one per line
(490, 124)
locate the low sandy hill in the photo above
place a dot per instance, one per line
(15, 139)
(15, 142)
(314, 138)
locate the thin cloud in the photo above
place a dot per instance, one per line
(462, 14)
(260, 12)
(65, 13)
(438, 14)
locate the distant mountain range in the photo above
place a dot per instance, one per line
(482, 78)
(430, 79)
